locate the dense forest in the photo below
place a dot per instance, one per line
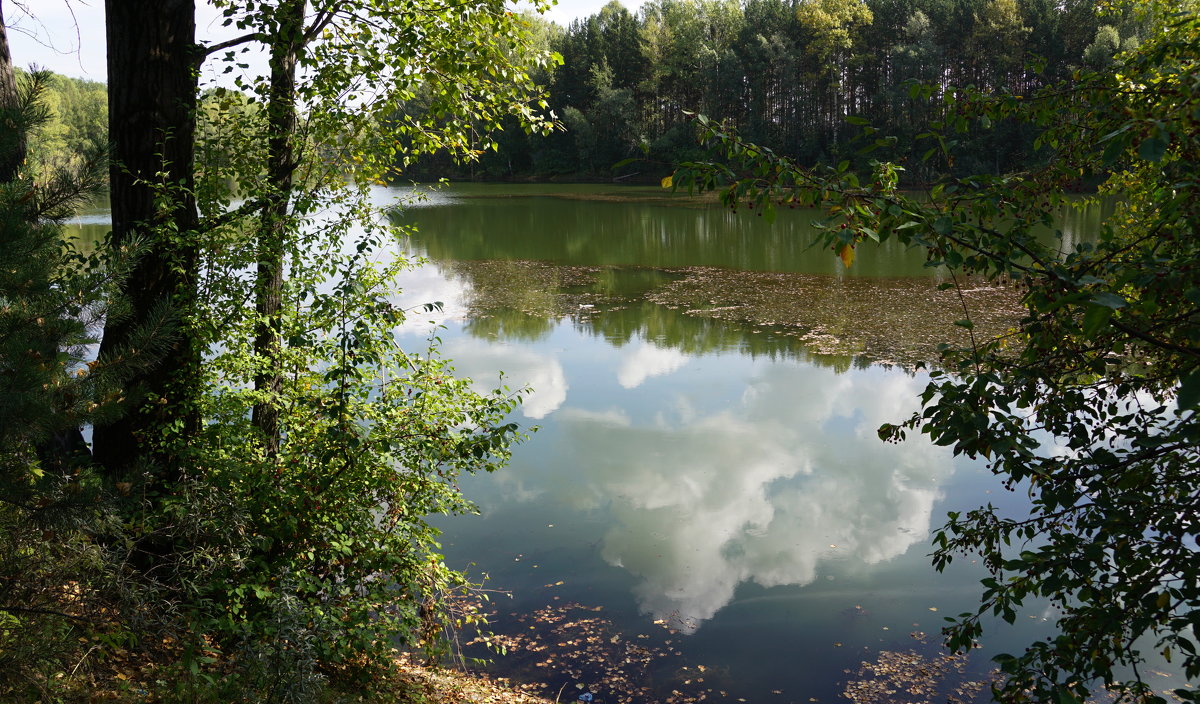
(75, 121)
(787, 74)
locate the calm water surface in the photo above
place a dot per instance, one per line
(711, 490)
(705, 511)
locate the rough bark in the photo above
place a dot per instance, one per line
(12, 134)
(152, 97)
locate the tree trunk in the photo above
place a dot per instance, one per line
(12, 135)
(287, 42)
(152, 98)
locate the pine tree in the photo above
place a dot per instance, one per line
(53, 565)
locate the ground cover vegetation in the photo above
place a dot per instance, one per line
(1088, 406)
(247, 521)
(786, 73)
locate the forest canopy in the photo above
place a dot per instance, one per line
(785, 74)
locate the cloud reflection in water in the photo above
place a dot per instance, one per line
(762, 490)
(645, 360)
(705, 493)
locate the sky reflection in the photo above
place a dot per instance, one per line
(699, 472)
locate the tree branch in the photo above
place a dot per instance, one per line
(45, 612)
(228, 44)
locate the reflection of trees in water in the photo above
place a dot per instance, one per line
(522, 300)
(892, 320)
(510, 325)
(695, 335)
(831, 321)
(583, 232)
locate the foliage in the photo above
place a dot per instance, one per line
(258, 561)
(58, 578)
(785, 74)
(300, 550)
(1089, 406)
(76, 122)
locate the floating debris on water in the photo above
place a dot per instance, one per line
(894, 321)
(560, 645)
(915, 678)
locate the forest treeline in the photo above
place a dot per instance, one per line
(787, 74)
(76, 120)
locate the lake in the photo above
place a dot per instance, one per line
(704, 512)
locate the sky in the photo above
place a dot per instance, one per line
(67, 36)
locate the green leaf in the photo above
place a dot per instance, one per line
(1154, 147)
(1188, 395)
(944, 225)
(1114, 149)
(1109, 299)
(1095, 318)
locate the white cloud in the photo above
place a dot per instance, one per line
(762, 491)
(424, 285)
(645, 360)
(483, 362)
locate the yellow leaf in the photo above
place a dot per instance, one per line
(667, 181)
(847, 255)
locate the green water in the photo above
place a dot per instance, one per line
(632, 226)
